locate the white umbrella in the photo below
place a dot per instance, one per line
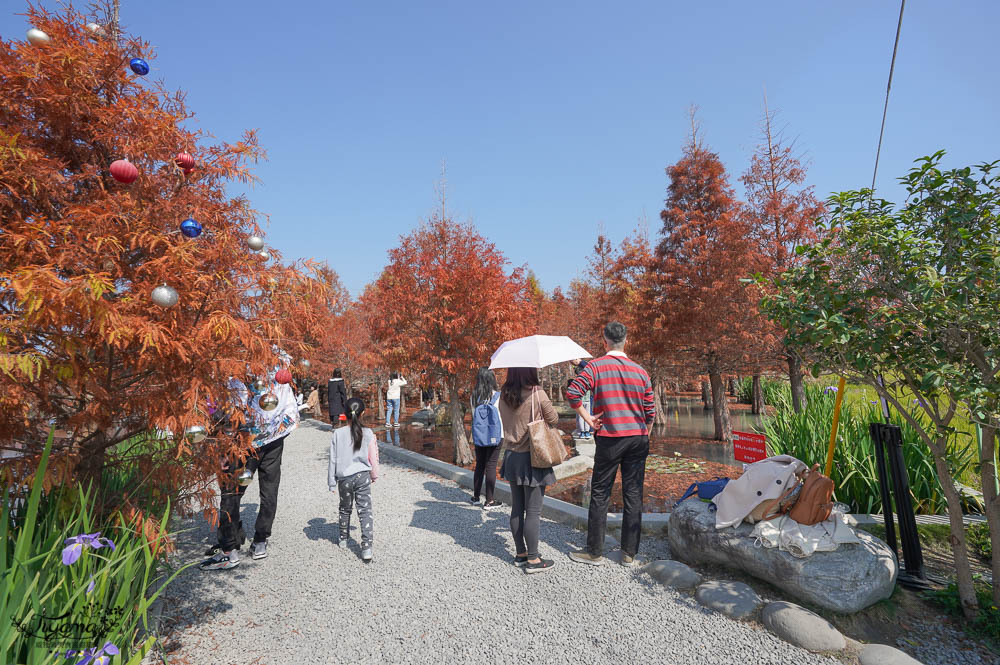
(537, 351)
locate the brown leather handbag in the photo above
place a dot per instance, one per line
(547, 449)
(815, 502)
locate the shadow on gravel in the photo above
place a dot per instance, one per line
(319, 529)
(470, 526)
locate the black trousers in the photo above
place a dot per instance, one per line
(525, 517)
(630, 453)
(486, 468)
(268, 467)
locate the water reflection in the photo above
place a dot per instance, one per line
(685, 416)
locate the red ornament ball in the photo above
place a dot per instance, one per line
(124, 171)
(283, 376)
(185, 161)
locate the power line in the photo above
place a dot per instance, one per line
(888, 87)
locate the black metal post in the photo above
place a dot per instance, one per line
(913, 574)
(883, 486)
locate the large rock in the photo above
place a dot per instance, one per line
(423, 417)
(880, 654)
(674, 574)
(573, 466)
(800, 627)
(846, 580)
(734, 599)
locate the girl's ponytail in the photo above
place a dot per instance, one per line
(355, 407)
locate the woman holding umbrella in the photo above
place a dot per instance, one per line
(523, 401)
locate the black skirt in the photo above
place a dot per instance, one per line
(517, 470)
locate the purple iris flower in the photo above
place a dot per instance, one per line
(95, 656)
(74, 546)
(90, 587)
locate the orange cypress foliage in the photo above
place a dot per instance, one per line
(706, 317)
(444, 304)
(81, 344)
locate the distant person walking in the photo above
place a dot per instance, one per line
(392, 399)
(522, 401)
(312, 402)
(336, 397)
(487, 435)
(623, 402)
(353, 469)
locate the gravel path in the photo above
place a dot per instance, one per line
(440, 589)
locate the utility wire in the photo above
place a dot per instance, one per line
(888, 87)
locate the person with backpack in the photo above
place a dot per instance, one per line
(487, 435)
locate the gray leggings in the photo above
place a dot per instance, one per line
(525, 514)
(356, 488)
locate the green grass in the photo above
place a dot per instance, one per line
(806, 436)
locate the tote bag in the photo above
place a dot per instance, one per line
(547, 449)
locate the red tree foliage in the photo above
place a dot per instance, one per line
(82, 345)
(782, 215)
(444, 304)
(706, 317)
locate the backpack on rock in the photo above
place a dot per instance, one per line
(815, 502)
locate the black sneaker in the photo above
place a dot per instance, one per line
(520, 561)
(492, 504)
(213, 550)
(475, 500)
(221, 561)
(540, 567)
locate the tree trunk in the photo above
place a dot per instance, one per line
(381, 402)
(706, 395)
(990, 498)
(795, 379)
(659, 401)
(420, 390)
(720, 408)
(756, 396)
(402, 402)
(960, 553)
(733, 390)
(463, 453)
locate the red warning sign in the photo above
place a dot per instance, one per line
(749, 447)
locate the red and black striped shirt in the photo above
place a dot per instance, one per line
(623, 395)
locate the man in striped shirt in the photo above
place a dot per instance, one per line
(624, 408)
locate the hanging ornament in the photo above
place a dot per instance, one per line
(37, 37)
(283, 376)
(185, 161)
(124, 171)
(305, 363)
(164, 296)
(245, 477)
(268, 402)
(96, 30)
(191, 228)
(139, 66)
(195, 434)
(256, 243)
(258, 386)
(264, 255)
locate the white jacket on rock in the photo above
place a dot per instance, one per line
(761, 481)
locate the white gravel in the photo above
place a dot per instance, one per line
(440, 590)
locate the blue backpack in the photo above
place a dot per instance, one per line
(487, 430)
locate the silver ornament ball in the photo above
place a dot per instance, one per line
(164, 296)
(264, 255)
(245, 477)
(196, 434)
(256, 243)
(37, 37)
(268, 402)
(96, 30)
(305, 363)
(258, 385)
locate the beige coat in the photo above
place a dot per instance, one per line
(761, 481)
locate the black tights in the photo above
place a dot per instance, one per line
(525, 515)
(486, 467)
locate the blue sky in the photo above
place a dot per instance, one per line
(554, 118)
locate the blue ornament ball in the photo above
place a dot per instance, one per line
(139, 66)
(191, 228)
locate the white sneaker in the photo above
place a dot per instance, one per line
(366, 555)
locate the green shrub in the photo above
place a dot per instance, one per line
(979, 540)
(71, 583)
(806, 436)
(777, 393)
